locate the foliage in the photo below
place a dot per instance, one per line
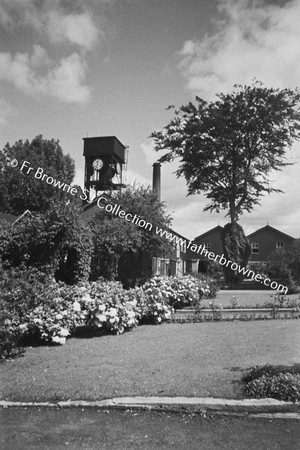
(285, 266)
(228, 147)
(177, 291)
(10, 346)
(54, 241)
(216, 310)
(34, 308)
(121, 246)
(294, 260)
(236, 249)
(20, 191)
(211, 269)
(209, 281)
(268, 381)
(18, 291)
(153, 308)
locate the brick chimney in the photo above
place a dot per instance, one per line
(156, 185)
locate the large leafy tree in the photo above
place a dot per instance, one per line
(228, 147)
(55, 242)
(20, 190)
(121, 248)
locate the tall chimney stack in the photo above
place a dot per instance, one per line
(156, 186)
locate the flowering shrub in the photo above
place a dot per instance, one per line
(108, 307)
(35, 308)
(152, 308)
(177, 291)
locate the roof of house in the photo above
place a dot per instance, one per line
(201, 236)
(269, 228)
(10, 218)
(25, 213)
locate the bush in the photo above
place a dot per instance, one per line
(36, 309)
(269, 382)
(178, 291)
(10, 346)
(284, 386)
(152, 306)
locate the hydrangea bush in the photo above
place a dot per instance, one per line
(179, 291)
(51, 311)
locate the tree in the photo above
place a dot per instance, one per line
(285, 266)
(21, 189)
(122, 248)
(54, 242)
(228, 147)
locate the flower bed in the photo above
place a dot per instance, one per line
(50, 312)
(268, 381)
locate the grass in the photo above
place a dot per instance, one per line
(198, 359)
(246, 297)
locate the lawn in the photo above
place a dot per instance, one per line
(197, 359)
(246, 297)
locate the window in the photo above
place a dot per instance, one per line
(254, 247)
(177, 246)
(279, 245)
(207, 245)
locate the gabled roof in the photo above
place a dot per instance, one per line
(201, 236)
(177, 234)
(269, 228)
(25, 213)
(10, 218)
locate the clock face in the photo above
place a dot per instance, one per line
(97, 164)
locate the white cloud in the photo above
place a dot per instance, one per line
(252, 38)
(151, 155)
(131, 177)
(6, 110)
(78, 29)
(77, 26)
(63, 81)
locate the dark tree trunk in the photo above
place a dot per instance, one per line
(236, 249)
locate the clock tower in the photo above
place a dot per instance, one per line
(104, 164)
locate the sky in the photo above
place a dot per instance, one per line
(71, 69)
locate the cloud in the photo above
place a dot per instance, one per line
(63, 81)
(6, 110)
(151, 155)
(134, 178)
(252, 38)
(51, 19)
(77, 29)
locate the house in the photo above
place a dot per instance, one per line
(146, 265)
(176, 263)
(212, 241)
(265, 241)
